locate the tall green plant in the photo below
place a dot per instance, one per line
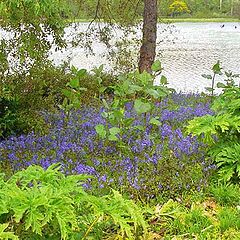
(222, 132)
(138, 88)
(216, 71)
(73, 91)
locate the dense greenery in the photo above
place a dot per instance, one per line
(127, 135)
(173, 8)
(38, 204)
(90, 155)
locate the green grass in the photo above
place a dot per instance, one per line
(174, 20)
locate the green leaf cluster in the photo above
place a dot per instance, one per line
(73, 91)
(134, 87)
(45, 204)
(222, 132)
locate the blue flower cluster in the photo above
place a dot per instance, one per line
(160, 159)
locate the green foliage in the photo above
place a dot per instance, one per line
(229, 218)
(216, 71)
(141, 107)
(37, 202)
(34, 199)
(22, 97)
(73, 92)
(226, 195)
(9, 120)
(123, 213)
(221, 132)
(137, 87)
(6, 235)
(32, 21)
(178, 7)
(195, 220)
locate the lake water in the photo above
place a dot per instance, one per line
(197, 47)
(187, 50)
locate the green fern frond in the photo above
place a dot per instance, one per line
(6, 235)
(228, 160)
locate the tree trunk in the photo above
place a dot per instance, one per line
(232, 3)
(148, 48)
(220, 5)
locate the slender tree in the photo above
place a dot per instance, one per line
(148, 48)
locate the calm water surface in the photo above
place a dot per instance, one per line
(197, 47)
(187, 50)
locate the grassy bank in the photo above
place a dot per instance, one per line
(173, 20)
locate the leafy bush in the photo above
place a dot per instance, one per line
(38, 203)
(10, 124)
(221, 132)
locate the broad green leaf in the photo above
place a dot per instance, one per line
(113, 137)
(145, 78)
(114, 130)
(155, 121)
(152, 92)
(157, 66)
(209, 89)
(81, 73)
(216, 68)
(74, 83)
(163, 80)
(100, 129)
(67, 93)
(135, 88)
(118, 114)
(162, 91)
(221, 85)
(141, 107)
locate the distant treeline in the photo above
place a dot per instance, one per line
(132, 9)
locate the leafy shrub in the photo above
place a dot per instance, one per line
(10, 124)
(38, 203)
(221, 132)
(23, 96)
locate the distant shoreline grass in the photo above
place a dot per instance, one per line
(175, 20)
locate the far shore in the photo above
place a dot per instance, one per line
(174, 20)
(199, 20)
